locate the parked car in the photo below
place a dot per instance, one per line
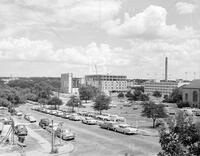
(29, 118)
(6, 120)
(44, 122)
(65, 134)
(103, 117)
(66, 115)
(83, 113)
(48, 111)
(127, 105)
(197, 113)
(19, 113)
(53, 112)
(135, 107)
(125, 129)
(89, 121)
(20, 130)
(75, 117)
(113, 105)
(59, 113)
(51, 127)
(108, 125)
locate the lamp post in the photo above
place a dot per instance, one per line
(52, 138)
(53, 149)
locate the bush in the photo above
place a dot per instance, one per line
(183, 104)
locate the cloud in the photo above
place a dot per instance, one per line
(149, 24)
(27, 16)
(25, 50)
(68, 11)
(185, 8)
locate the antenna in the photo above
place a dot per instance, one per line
(95, 66)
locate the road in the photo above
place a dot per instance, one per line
(92, 140)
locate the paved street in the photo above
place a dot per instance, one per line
(92, 140)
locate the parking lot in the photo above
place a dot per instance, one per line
(92, 139)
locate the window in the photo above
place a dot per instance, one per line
(195, 96)
(186, 96)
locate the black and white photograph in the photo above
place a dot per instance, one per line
(99, 77)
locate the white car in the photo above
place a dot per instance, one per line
(59, 113)
(125, 129)
(55, 126)
(89, 121)
(103, 117)
(75, 117)
(29, 118)
(53, 112)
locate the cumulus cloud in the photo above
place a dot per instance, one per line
(185, 8)
(149, 24)
(27, 50)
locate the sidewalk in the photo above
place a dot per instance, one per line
(5, 150)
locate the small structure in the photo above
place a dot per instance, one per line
(191, 93)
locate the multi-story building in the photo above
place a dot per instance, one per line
(107, 83)
(70, 84)
(66, 83)
(165, 87)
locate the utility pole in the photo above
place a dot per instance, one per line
(52, 139)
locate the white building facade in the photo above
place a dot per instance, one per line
(107, 83)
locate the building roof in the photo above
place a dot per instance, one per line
(195, 84)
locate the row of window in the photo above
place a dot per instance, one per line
(194, 96)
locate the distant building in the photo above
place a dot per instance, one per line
(191, 93)
(107, 83)
(66, 83)
(131, 83)
(70, 84)
(165, 87)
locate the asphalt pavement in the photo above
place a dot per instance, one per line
(91, 140)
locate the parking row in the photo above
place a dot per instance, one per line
(105, 121)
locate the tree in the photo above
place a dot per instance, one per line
(102, 103)
(180, 137)
(4, 102)
(137, 93)
(55, 101)
(30, 96)
(74, 101)
(120, 95)
(153, 111)
(183, 104)
(128, 94)
(42, 90)
(157, 94)
(176, 95)
(144, 97)
(43, 101)
(88, 92)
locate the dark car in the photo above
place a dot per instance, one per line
(20, 130)
(44, 122)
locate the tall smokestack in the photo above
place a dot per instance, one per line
(166, 67)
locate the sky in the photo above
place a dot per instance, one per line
(120, 37)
